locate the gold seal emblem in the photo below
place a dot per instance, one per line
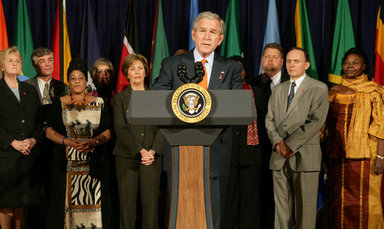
(191, 103)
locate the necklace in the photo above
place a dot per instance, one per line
(77, 106)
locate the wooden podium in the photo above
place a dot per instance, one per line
(191, 204)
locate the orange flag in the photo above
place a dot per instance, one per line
(3, 29)
(379, 49)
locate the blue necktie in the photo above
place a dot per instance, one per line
(291, 94)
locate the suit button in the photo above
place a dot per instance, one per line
(23, 121)
(142, 134)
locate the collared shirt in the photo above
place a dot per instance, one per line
(41, 84)
(208, 65)
(276, 80)
(298, 82)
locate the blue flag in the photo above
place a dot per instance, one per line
(193, 12)
(272, 34)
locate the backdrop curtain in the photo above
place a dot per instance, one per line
(110, 19)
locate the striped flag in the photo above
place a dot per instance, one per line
(60, 46)
(23, 38)
(131, 42)
(272, 34)
(232, 40)
(3, 29)
(343, 39)
(159, 43)
(379, 47)
(303, 35)
(193, 12)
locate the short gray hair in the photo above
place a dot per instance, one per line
(209, 15)
(39, 52)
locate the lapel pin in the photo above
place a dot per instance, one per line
(221, 75)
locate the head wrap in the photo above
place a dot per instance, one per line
(78, 64)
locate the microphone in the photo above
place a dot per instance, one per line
(199, 72)
(182, 72)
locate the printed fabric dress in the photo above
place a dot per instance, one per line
(83, 192)
(354, 189)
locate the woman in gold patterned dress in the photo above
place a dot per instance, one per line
(355, 148)
(79, 125)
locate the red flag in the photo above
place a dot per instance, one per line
(379, 47)
(130, 43)
(60, 45)
(3, 29)
(153, 38)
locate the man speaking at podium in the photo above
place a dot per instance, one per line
(220, 74)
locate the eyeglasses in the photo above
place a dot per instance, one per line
(106, 71)
(77, 78)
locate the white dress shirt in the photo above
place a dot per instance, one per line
(298, 82)
(41, 84)
(276, 80)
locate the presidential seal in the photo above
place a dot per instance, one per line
(191, 103)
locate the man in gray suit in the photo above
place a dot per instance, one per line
(297, 110)
(222, 74)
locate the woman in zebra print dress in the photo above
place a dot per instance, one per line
(79, 125)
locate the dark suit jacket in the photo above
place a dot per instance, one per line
(132, 138)
(244, 154)
(262, 81)
(225, 75)
(18, 120)
(56, 88)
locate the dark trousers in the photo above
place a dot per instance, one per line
(131, 178)
(242, 206)
(267, 220)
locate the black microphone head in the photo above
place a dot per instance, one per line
(182, 72)
(199, 72)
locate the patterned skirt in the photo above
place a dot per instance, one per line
(83, 195)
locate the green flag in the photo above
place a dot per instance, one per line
(23, 38)
(343, 39)
(232, 42)
(159, 43)
(303, 35)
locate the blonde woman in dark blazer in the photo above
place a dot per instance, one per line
(137, 151)
(20, 132)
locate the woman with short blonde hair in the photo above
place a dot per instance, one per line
(20, 132)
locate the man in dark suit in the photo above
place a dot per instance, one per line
(271, 63)
(243, 195)
(47, 87)
(297, 110)
(222, 74)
